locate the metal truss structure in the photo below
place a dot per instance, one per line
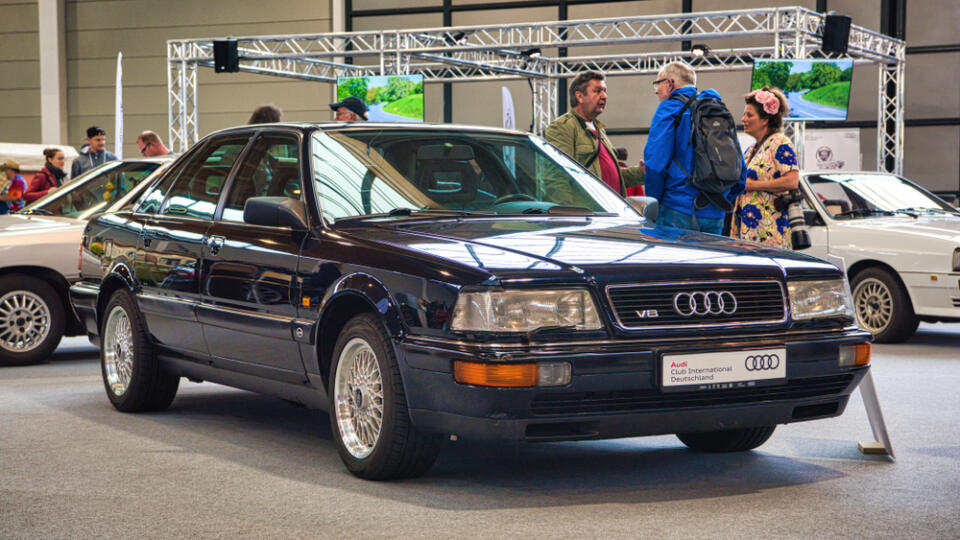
(512, 52)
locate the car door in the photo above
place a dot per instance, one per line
(175, 217)
(249, 271)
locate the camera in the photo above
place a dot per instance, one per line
(790, 201)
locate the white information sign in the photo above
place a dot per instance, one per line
(831, 150)
(723, 369)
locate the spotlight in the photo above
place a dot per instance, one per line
(699, 50)
(532, 53)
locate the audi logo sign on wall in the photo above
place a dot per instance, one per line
(761, 362)
(704, 303)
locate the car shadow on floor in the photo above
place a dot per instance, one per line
(279, 438)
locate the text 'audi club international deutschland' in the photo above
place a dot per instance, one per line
(419, 282)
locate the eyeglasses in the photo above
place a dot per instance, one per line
(658, 81)
(144, 149)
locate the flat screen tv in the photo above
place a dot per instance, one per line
(389, 98)
(815, 89)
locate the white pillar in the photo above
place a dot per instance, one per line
(338, 24)
(53, 72)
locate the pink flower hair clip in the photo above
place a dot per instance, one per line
(771, 105)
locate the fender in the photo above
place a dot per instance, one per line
(370, 289)
(119, 275)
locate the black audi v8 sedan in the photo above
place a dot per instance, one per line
(420, 282)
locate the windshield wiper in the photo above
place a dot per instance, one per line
(443, 211)
(562, 210)
(40, 211)
(865, 212)
(923, 210)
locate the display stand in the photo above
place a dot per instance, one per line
(881, 443)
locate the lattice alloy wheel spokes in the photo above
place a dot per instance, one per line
(358, 398)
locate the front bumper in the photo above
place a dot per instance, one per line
(615, 391)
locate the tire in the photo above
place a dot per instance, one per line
(32, 319)
(132, 375)
(733, 440)
(883, 307)
(368, 407)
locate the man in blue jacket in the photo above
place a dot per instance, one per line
(665, 181)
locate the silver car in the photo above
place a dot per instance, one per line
(39, 247)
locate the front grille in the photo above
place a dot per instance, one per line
(652, 306)
(649, 400)
(956, 302)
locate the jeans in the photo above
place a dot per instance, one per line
(668, 217)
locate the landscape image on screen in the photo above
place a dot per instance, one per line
(389, 98)
(815, 89)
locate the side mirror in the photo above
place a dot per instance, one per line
(647, 206)
(812, 218)
(276, 212)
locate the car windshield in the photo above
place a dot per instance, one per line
(363, 172)
(92, 193)
(864, 195)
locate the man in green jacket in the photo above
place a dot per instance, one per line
(577, 131)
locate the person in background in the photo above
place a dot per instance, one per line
(11, 193)
(771, 170)
(49, 178)
(668, 145)
(351, 109)
(579, 135)
(151, 145)
(267, 113)
(95, 153)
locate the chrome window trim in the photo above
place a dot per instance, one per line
(619, 324)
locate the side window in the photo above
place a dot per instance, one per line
(151, 201)
(271, 169)
(197, 189)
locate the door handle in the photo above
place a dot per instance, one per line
(215, 243)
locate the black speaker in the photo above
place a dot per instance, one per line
(836, 33)
(225, 58)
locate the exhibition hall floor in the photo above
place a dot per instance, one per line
(224, 462)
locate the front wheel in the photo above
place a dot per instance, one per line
(132, 375)
(32, 318)
(368, 407)
(731, 440)
(883, 306)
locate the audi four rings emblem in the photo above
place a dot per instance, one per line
(762, 362)
(702, 303)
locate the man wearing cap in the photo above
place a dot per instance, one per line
(351, 109)
(11, 194)
(95, 154)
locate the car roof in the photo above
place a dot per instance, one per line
(388, 126)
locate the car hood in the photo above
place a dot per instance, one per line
(606, 249)
(20, 224)
(942, 226)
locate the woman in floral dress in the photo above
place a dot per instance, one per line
(771, 170)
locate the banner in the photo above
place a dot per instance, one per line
(832, 150)
(509, 122)
(118, 111)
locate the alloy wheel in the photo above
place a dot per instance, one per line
(24, 321)
(118, 351)
(874, 304)
(358, 398)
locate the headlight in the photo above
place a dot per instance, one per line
(523, 311)
(956, 260)
(814, 299)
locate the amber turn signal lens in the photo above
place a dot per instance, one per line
(863, 354)
(504, 375)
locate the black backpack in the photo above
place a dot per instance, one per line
(717, 161)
